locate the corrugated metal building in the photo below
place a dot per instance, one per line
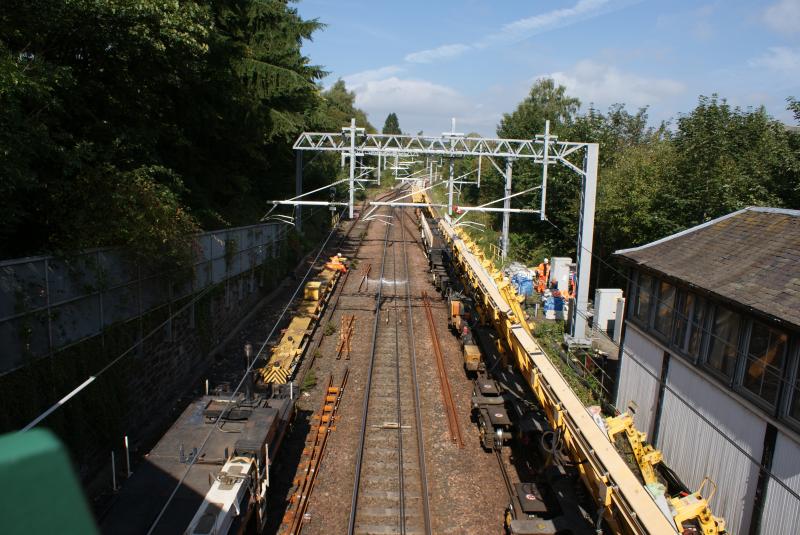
(710, 358)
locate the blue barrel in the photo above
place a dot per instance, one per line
(523, 284)
(526, 287)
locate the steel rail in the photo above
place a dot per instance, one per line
(504, 472)
(316, 454)
(401, 486)
(444, 382)
(307, 363)
(423, 471)
(368, 387)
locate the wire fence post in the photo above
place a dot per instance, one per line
(113, 472)
(127, 457)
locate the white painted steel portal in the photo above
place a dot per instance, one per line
(582, 158)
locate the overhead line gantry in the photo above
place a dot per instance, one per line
(354, 142)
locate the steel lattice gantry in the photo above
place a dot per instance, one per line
(546, 150)
(446, 145)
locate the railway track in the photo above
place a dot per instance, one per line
(348, 246)
(390, 494)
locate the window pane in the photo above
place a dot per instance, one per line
(794, 409)
(722, 345)
(664, 307)
(765, 362)
(698, 320)
(644, 297)
(633, 297)
(683, 310)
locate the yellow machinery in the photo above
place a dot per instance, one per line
(624, 502)
(472, 358)
(646, 456)
(514, 301)
(459, 322)
(287, 352)
(691, 512)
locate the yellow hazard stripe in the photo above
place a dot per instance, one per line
(277, 375)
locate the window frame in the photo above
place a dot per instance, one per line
(743, 360)
(648, 321)
(700, 303)
(793, 379)
(682, 296)
(707, 347)
(709, 307)
(656, 302)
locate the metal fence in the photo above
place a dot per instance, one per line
(48, 303)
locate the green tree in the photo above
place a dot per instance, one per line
(188, 108)
(391, 125)
(794, 107)
(339, 107)
(545, 101)
(729, 158)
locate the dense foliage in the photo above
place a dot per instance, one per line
(653, 181)
(138, 122)
(338, 108)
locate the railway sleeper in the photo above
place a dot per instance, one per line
(386, 530)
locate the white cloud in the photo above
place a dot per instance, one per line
(779, 59)
(604, 85)
(522, 29)
(552, 19)
(363, 77)
(784, 16)
(410, 96)
(438, 53)
(419, 104)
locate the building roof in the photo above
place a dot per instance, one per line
(750, 257)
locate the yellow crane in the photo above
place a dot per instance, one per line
(690, 510)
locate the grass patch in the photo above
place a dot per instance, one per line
(550, 336)
(309, 381)
(330, 329)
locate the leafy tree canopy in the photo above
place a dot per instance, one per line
(133, 123)
(339, 108)
(652, 181)
(391, 125)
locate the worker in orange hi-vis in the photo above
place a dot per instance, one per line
(336, 263)
(543, 273)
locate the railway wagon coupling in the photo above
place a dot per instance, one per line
(489, 411)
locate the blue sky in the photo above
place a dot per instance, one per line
(476, 59)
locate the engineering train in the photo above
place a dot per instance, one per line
(220, 448)
(229, 441)
(557, 430)
(286, 354)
